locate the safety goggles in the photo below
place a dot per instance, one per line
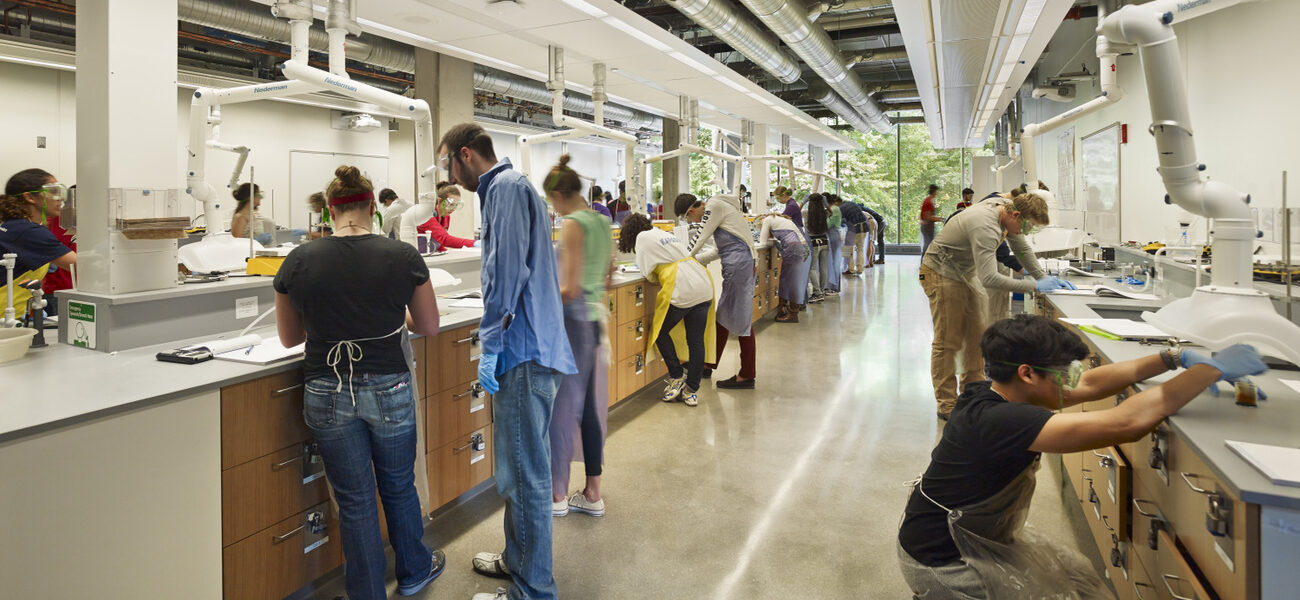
(1067, 377)
(1028, 227)
(53, 191)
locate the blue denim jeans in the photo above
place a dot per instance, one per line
(521, 418)
(367, 443)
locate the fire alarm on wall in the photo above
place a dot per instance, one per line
(1123, 133)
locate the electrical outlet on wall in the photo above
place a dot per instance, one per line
(40, 141)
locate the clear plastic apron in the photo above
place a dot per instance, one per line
(350, 351)
(1013, 560)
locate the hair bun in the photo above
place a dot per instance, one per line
(348, 175)
(564, 161)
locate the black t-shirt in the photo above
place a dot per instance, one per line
(351, 288)
(985, 445)
(34, 244)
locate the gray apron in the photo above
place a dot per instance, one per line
(736, 304)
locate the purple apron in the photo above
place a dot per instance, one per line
(794, 266)
(736, 306)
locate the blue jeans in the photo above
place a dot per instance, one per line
(369, 442)
(521, 419)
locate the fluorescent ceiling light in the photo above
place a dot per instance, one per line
(636, 33)
(733, 85)
(692, 63)
(586, 8)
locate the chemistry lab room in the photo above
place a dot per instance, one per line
(649, 299)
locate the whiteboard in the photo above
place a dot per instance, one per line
(311, 171)
(1101, 178)
(1065, 169)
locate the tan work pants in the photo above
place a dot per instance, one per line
(999, 301)
(957, 310)
(857, 256)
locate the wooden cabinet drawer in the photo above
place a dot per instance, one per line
(1148, 521)
(631, 300)
(1173, 578)
(1198, 502)
(651, 296)
(1150, 463)
(630, 337)
(274, 562)
(1111, 480)
(631, 374)
(656, 369)
(261, 416)
(259, 493)
(1141, 587)
(612, 383)
(456, 467)
(456, 413)
(452, 358)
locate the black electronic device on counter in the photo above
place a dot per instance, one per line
(185, 356)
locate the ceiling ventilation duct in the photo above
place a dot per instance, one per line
(814, 46)
(828, 98)
(535, 91)
(725, 21)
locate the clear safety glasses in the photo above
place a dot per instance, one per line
(1067, 377)
(1028, 227)
(55, 192)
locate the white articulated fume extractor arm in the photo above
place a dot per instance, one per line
(340, 21)
(577, 127)
(1229, 310)
(689, 127)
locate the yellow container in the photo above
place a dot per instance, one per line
(265, 265)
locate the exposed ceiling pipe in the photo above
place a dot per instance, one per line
(250, 19)
(879, 55)
(907, 120)
(814, 46)
(727, 22)
(817, 9)
(523, 88)
(828, 98)
(833, 23)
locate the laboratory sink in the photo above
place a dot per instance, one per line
(1112, 311)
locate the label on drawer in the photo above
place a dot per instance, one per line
(313, 477)
(316, 544)
(477, 406)
(481, 456)
(1218, 549)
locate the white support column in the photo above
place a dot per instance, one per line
(126, 136)
(817, 162)
(760, 182)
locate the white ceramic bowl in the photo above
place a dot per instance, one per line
(14, 342)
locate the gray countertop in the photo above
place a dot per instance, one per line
(1207, 421)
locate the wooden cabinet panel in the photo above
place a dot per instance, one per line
(456, 413)
(1141, 585)
(1148, 520)
(1150, 463)
(630, 337)
(261, 416)
(451, 358)
(274, 562)
(632, 299)
(1111, 480)
(259, 493)
(1173, 577)
(1199, 502)
(656, 369)
(648, 307)
(614, 388)
(631, 374)
(456, 467)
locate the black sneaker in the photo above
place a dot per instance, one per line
(439, 562)
(731, 383)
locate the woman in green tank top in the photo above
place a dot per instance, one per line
(585, 265)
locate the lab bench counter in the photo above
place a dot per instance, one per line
(1176, 511)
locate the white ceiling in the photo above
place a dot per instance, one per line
(959, 49)
(648, 67)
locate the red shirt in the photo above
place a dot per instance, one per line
(438, 232)
(62, 278)
(927, 209)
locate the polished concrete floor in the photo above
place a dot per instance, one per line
(792, 490)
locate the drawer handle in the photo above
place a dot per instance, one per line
(1107, 461)
(281, 538)
(284, 463)
(464, 340)
(475, 441)
(287, 390)
(464, 393)
(1166, 577)
(1185, 475)
(1137, 589)
(1105, 522)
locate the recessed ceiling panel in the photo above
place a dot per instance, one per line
(966, 19)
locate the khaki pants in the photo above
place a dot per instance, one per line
(856, 255)
(999, 301)
(958, 312)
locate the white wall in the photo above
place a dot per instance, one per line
(42, 102)
(1242, 83)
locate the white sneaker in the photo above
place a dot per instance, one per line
(499, 595)
(559, 509)
(690, 398)
(674, 388)
(581, 504)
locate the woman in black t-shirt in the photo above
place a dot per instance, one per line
(351, 296)
(981, 474)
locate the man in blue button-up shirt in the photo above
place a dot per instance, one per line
(525, 353)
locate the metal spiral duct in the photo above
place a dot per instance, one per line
(828, 98)
(256, 21)
(535, 91)
(814, 46)
(725, 21)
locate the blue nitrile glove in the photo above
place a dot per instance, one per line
(478, 243)
(1214, 391)
(487, 373)
(1233, 362)
(1052, 282)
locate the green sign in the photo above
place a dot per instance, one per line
(81, 324)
